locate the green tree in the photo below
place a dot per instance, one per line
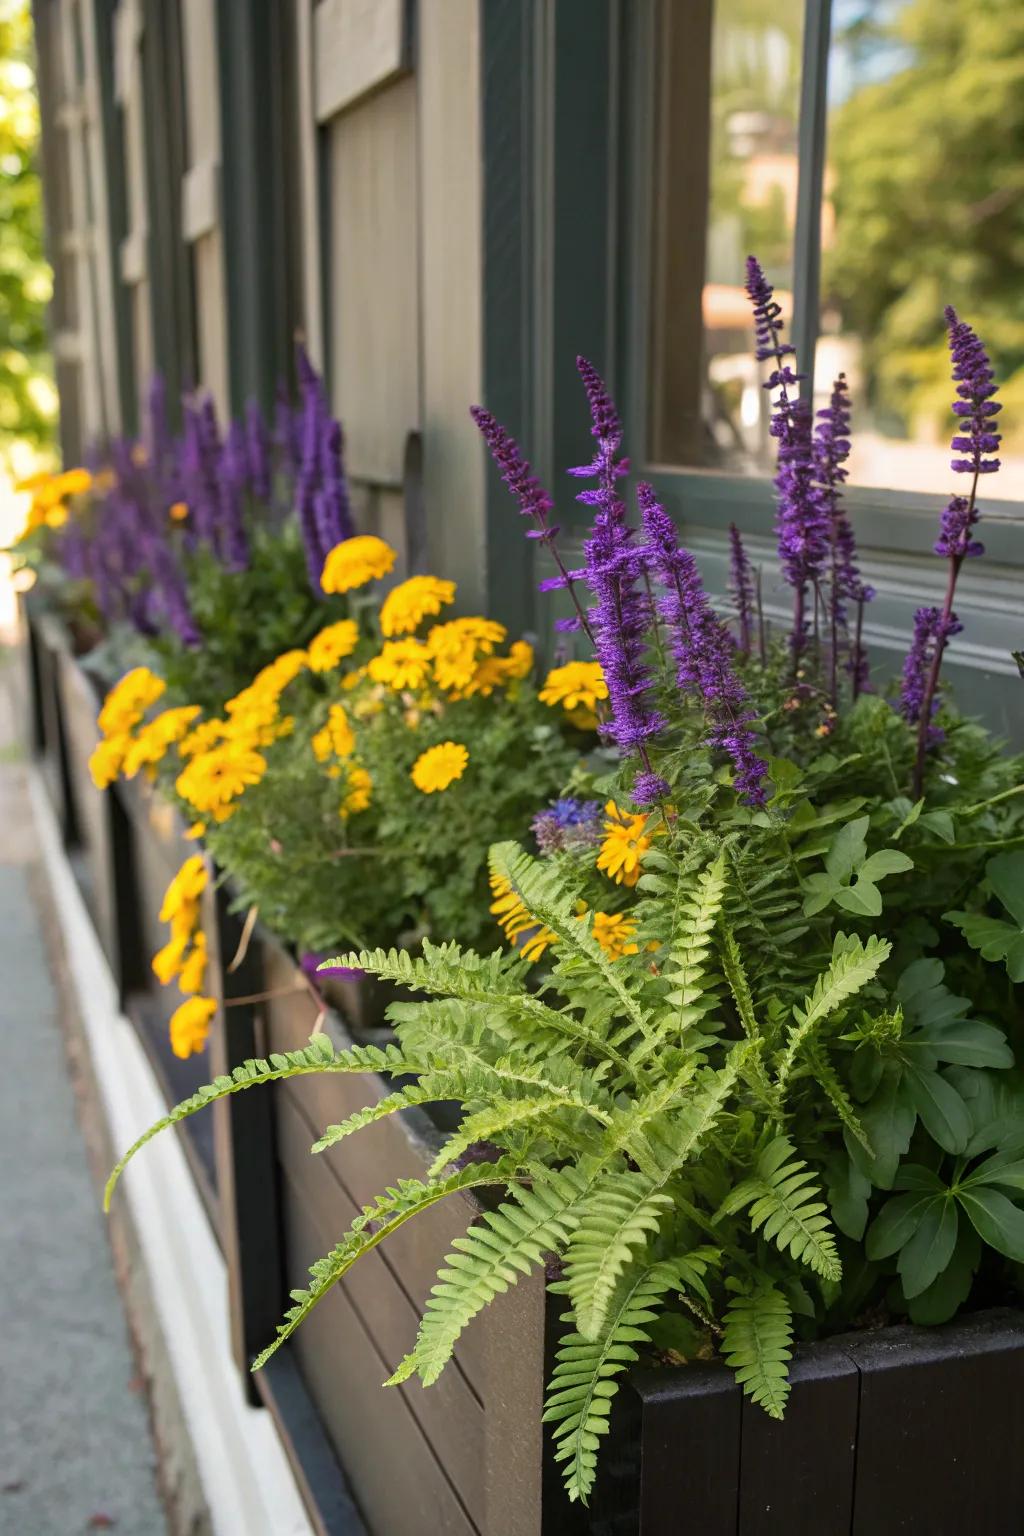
(929, 198)
(27, 401)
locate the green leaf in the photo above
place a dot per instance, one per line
(889, 1123)
(923, 1258)
(941, 823)
(1004, 1168)
(965, 1043)
(939, 1302)
(756, 1338)
(852, 966)
(896, 1224)
(848, 849)
(1005, 874)
(997, 1221)
(848, 1194)
(887, 861)
(945, 1116)
(863, 899)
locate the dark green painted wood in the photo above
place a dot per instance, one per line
(259, 182)
(813, 116)
(114, 171)
(172, 304)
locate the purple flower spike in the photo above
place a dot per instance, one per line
(800, 523)
(974, 379)
(649, 789)
(232, 479)
(534, 502)
(741, 585)
(258, 451)
(931, 631)
(831, 451)
(702, 649)
(958, 518)
(568, 826)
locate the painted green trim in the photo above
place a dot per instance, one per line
(811, 160)
(111, 129)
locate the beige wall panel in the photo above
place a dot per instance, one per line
(207, 256)
(448, 65)
(373, 279)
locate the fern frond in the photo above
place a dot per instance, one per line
(620, 1215)
(757, 1334)
(852, 966)
(675, 1135)
(318, 1056)
(785, 1200)
(427, 1091)
(399, 1204)
(826, 1076)
(539, 887)
(500, 1247)
(736, 977)
(585, 1378)
(692, 994)
(527, 1111)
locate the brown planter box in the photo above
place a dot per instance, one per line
(465, 1456)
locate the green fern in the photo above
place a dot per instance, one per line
(786, 1202)
(503, 1245)
(852, 966)
(390, 1211)
(825, 1074)
(584, 1380)
(756, 1338)
(318, 1056)
(621, 1214)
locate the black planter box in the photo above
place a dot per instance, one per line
(45, 641)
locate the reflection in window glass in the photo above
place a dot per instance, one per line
(924, 206)
(725, 185)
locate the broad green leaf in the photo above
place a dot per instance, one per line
(848, 1194)
(820, 891)
(914, 1176)
(996, 1220)
(965, 1043)
(896, 1224)
(941, 823)
(1006, 876)
(942, 1110)
(888, 1121)
(848, 849)
(907, 813)
(863, 898)
(923, 1258)
(887, 861)
(1004, 1168)
(919, 977)
(949, 1290)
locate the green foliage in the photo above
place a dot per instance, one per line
(994, 937)
(756, 1338)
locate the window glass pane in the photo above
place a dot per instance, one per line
(725, 184)
(923, 206)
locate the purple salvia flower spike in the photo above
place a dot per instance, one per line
(233, 477)
(831, 451)
(257, 443)
(702, 649)
(741, 585)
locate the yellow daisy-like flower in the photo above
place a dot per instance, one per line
(354, 562)
(196, 830)
(439, 766)
(205, 736)
(358, 793)
(614, 931)
(574, 685)
(151, 744)
(56, 516)
(220, 776)
(515, 921)
(343, 741)
(128, 700)
(185, 889)
(168, 962)
(519, 663)
(458, 646)
(190, 1025)
(190, 978)
(178, 511)
(624, 845)
(107, 758)
(401, 665)
(273, 679)
(405, 608)
(332, 645)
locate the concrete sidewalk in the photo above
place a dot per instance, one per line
(76, 1453)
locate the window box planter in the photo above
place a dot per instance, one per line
(160, 847)
(464, 1457)
(45, 641)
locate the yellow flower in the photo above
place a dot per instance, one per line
(520, 659)
(343, 739)
(128, 700)
(107, 758)
(178, 511)
(354, 562)
(33, 482)
(202, 738)
(405, 608)
(332, 645)
(624, 845)
(439, 766)
(197, 829)
(273, 679)
(402, 664)
(457, 647)
(190, 1025)
(219, 776)
(168, 962)
(152, 742)
(514, 920)
(71, 483)
(191, 976)
(56, 516)
(613, 931)
(185, 889)
(358, 792)
(574, 685)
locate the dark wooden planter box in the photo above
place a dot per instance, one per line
(103, 853)
(907, 1430)
(464, 1456)
(46, 640)
(160, 847)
